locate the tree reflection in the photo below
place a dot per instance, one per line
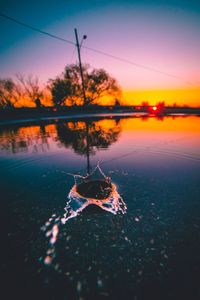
(100, 135)
(16, 140)
(85, 138)
(9, 141)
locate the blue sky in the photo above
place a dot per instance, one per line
(160, 34)
(46, 13)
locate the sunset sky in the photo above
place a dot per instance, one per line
(160, 35)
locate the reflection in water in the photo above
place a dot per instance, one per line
(97, 134)
(156, 166)
(75, 135)
(87, 137)
(173, 136)
(85, 192)
(95, 188)
(101, 134)
(25, 139)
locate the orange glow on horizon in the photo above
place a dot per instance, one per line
(184, 124)
(179, 97)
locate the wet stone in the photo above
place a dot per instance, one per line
(97, 189)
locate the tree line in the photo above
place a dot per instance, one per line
(64, 90)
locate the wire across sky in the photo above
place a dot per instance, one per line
(135, 64)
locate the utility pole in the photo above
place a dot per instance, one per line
(80, 64)
(87, 148)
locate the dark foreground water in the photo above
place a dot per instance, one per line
(149, 251)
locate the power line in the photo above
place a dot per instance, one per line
(36, 29)
(72, 56)
(133, 63)
(94, 50)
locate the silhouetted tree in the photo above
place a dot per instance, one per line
(161, 107)
(145, 103)
(117, 102)
(60, 90)
(38, 103)
(29, 87)
(161, 104)
(67, 89)
(7, 90)
(22, 91)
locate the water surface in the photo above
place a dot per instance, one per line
(150, 252)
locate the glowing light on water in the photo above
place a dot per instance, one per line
(77, 202)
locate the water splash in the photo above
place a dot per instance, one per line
(78, 199)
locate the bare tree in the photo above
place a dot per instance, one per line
(23, 91)
(29, 87)
(7, 93)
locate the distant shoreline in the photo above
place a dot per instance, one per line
(30, 115)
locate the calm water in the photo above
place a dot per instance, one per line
(151, 251)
